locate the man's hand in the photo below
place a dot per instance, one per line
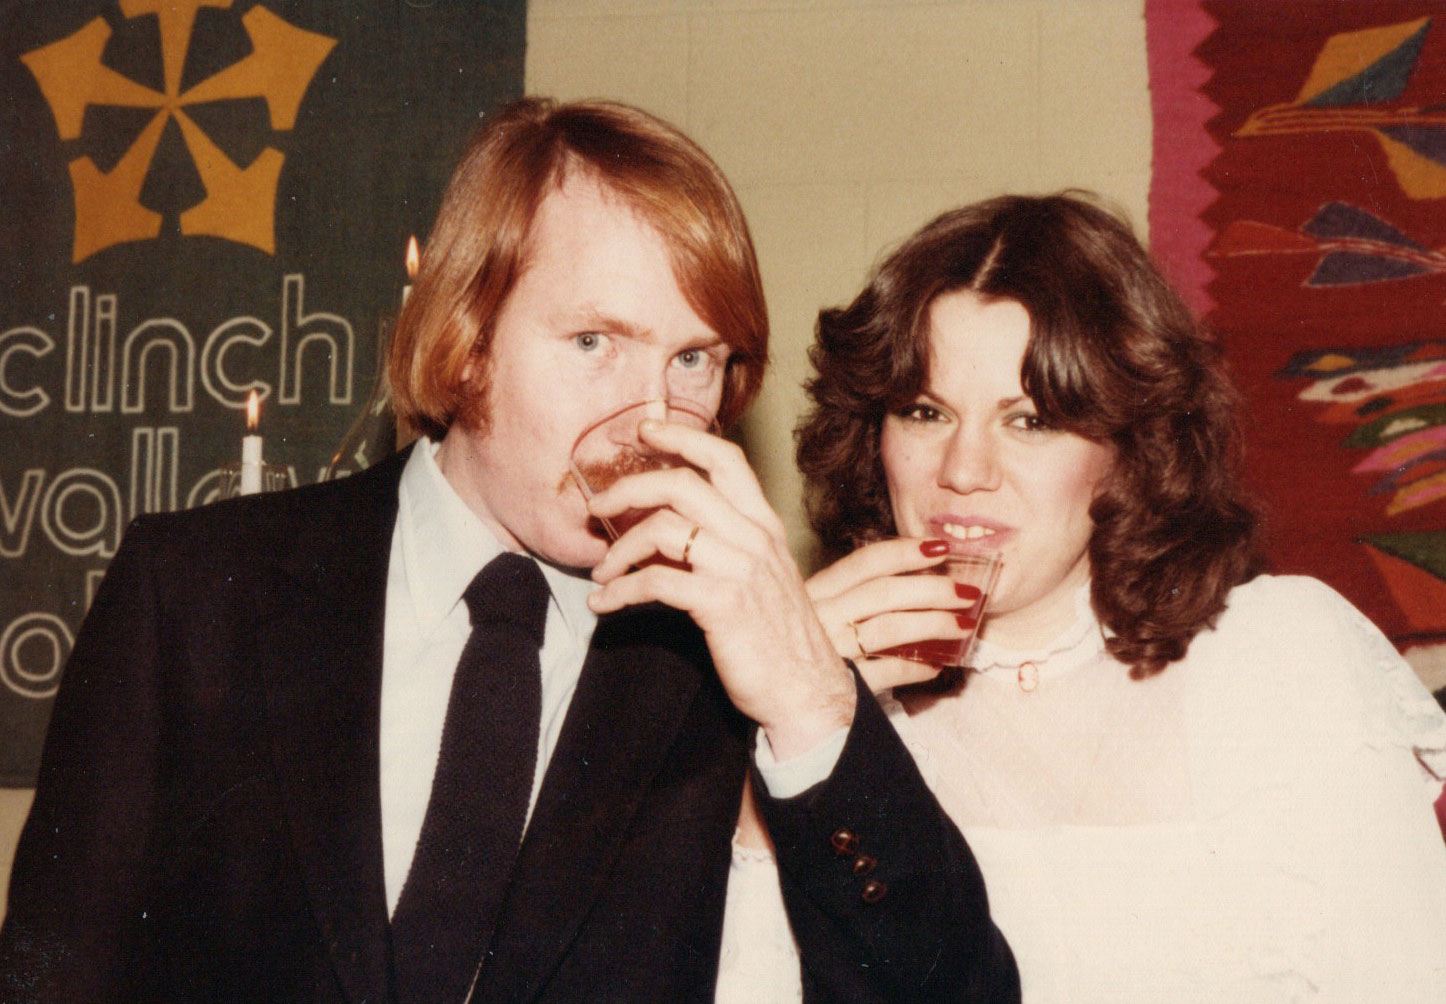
(728, 565)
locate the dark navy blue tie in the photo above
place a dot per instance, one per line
(473, 827)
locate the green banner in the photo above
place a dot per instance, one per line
(202, 199)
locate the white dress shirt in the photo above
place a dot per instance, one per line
(438, 546)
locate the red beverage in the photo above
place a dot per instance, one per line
(600, 475)
(610, 449)
(974, 574)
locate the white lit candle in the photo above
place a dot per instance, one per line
(251, 449)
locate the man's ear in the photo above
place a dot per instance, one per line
(473, 368)
(472, 390)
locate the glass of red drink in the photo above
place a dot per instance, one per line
(975, 574)
(610, 449)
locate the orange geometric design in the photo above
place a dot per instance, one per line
(1355, 85)
(1420, 595)
(240, 203)
(1355, 54)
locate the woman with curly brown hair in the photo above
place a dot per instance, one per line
(1183, 780)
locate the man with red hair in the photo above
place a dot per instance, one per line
(425, 734)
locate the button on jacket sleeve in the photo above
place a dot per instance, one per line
(883, 894)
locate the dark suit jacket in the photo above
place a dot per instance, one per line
(207, 821)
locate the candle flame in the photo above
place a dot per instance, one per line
(414, 257)
(253, 412)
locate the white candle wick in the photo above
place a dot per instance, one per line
(251, 449)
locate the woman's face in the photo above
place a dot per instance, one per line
(969, 461)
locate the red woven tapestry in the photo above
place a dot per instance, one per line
(1299, 197)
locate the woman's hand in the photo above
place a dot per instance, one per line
(870, 602)
(727, 563)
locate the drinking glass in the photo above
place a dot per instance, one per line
(978, 571)
(610, 449)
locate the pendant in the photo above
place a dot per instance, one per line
(1028, 677)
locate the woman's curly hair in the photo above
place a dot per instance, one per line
(1113, 356)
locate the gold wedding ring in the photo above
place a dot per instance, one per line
(688, 547)
(863, 652)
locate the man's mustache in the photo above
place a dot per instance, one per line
(600, 475)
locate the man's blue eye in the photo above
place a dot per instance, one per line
(587, 341)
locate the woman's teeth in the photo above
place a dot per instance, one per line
(971, 532)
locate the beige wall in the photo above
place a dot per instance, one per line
(14, 804)
(845, 124)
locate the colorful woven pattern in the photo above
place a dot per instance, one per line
(1323, 246)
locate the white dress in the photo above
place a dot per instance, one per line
(1252, 824)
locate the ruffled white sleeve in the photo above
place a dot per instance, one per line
(1319, 753)
(1400, 711)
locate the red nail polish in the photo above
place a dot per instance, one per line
(934, 548)
(966, 621)
(966, 592)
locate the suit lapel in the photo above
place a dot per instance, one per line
(320, 653)
(320, 650)
(641, 675)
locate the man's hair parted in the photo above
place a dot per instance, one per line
(478, 247)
